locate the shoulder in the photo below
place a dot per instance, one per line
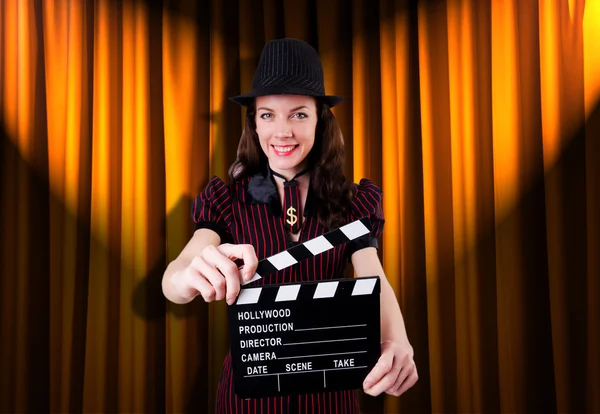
(215, 195)
(216, 191)
(367, 203)
(216, 187)
(212, 208)
(366, 186)
(367, 198)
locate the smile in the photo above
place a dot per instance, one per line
(284, 150)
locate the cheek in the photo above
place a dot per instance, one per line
(308, 144)
(308, 137)
(262, 136)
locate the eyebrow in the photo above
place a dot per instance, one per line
(291, 110)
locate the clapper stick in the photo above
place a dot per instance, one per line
(313, 247)
(295, 338)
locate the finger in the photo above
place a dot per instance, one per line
(405, 372)
(384, 384)
(409, 382)
(245, 252)
(233, 286)
(212, 274)
(196, 282)
(409, 368)
(383, 367)
(230, 273)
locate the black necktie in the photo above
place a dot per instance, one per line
(291, 202)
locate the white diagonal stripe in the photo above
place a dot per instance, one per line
(364, 287)
(354, 229)
(318, 245)
(255, 277)
(282, 260)
(287, 293)
(247, 296)
(325, 290)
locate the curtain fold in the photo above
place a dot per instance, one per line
(186, 124)
(480, 120)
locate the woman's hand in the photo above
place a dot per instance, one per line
(394, 373)
(213, 273)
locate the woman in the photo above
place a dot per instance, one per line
(287, 185)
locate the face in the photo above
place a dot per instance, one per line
(286, 126)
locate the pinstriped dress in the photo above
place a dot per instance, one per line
(249, 212)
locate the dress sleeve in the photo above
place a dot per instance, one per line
(212, 209)
(367, 202)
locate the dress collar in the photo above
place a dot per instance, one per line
(261, 189)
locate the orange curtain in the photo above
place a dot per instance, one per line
(479, 119)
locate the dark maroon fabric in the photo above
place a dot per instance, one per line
(238, 218)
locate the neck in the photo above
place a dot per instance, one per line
(303, 181)
(288, 175)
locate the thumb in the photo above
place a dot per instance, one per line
(246, 274)
(250, 277)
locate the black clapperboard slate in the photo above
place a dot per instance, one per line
(304, 337)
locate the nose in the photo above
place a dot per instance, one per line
(283, 129)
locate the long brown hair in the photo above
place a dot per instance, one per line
(332, 190)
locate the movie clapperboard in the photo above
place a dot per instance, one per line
(297, 338)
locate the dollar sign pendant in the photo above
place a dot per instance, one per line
(292, 218)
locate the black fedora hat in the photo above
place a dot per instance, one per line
(288, 66)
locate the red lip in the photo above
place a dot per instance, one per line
(284, 154)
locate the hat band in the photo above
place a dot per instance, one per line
(289, 80)
(284, 90)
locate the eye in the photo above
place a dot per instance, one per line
(266, 115)
(300, 115)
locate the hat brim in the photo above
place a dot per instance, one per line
(248, 98)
